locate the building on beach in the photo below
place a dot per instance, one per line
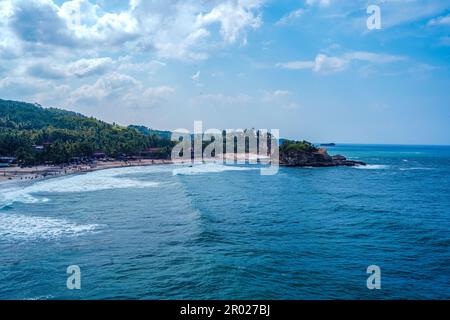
(6, 162)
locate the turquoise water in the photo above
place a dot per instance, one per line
(226, 232)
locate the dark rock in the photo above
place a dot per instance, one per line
(342, 161)
(316, 158)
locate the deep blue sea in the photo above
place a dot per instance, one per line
(227, 232)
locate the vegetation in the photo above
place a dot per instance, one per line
(296, 146)
(148, 131)
(36, 135)
(63, 135)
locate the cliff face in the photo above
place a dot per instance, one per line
(317, 158)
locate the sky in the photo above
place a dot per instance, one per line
(312, 69)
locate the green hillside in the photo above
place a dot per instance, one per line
(66, 134)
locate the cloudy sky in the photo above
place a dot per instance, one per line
(311, 68)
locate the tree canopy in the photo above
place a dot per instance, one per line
(65, 135)
(296, 146)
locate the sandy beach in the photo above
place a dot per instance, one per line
(47, 171)
(43, 171)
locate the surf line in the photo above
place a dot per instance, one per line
(192, 310)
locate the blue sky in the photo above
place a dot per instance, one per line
(309, 68)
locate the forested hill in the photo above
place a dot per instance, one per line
(65, 134)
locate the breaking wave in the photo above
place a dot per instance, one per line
(208, 168)
(21, 227)
(93, 181)
(373, 167)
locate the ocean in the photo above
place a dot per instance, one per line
(227, 232)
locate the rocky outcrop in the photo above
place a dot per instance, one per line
(315, 158)
(343, 161)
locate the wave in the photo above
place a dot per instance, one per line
(45, 297)
(21, 227)
(89, 182)
(95, 181)
(372, 167)
(415, 168)
(208, 168)
(8, 198)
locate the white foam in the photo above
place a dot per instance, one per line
(46, 297)
(89, 182)
(414, 169)
(21, 227)
(208, 168)
(8, 198)
(94, 181)
(372, 167)
(255, 157)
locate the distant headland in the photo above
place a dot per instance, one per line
(328, 144)
(305, 154)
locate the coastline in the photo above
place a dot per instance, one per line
(302, 159)
(40, 172)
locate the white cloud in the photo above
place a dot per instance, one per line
(127, 65)
(322, 63)
(281, 93)
(196, 77)
(33, 90)
(77, 13)
(112, 85)
(157, 95)
(235, 17)
(6, 10)
(176, 29)
(290, 17)
(87, 67)
(270, 96)
(444, 20)
(297, 65)
(329, 64)
(278, 99)
(37, 21)
(401, 12)
(322, 3)
(281, 99)
(326, 64)
(89, 24)
(424, 69)
(394, 12)
(81, 68)
(46, 71)
(222, 100)
(180, 29)
(119, 90)
(158, 91)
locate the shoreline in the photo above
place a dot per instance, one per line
(40, 172)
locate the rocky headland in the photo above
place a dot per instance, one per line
(304, 154)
